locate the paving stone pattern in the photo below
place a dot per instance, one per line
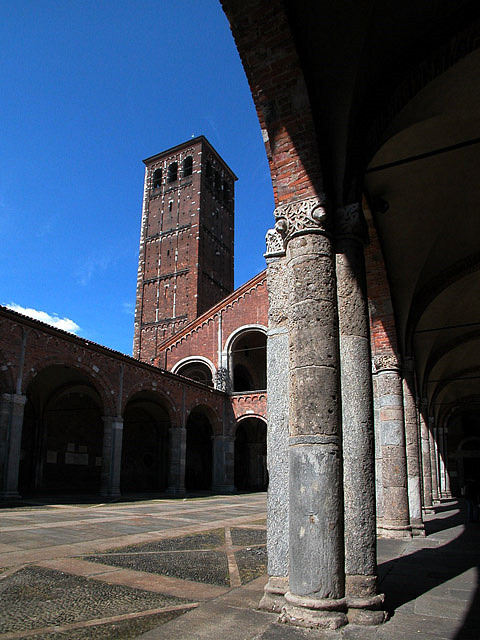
(34, 598)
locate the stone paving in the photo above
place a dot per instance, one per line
(194, 569)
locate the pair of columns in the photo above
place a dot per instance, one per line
(331, 545)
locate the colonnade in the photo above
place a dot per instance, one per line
(336, 416)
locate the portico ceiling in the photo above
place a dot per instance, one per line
(394, 89)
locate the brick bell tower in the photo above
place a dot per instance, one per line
(186, 243)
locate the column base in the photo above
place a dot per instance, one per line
(418, 528)
(366, 611)
(428, 510)
(396, 531)
(273, 598)
(314, 613)
(365, 605)
(112, 494)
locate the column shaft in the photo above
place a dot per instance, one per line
(316, 576)
(223, 453)
(358, 434)
(412, 451)
(396, 520)
(426, 468)
(277, 432)
(176, 460)
(111, 456)
(433, 461)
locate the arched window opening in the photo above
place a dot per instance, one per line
(198, 371)
(157, 179)
(248, 361)
(198, 461)
(187, 166)
(251, 455)
(172, 172)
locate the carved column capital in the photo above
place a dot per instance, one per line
(385, 362)
(301, 217)
(349, 221)
(275, 244)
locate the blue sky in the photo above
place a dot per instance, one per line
(87, 90)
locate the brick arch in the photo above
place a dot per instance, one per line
(272, 66)
(163, 399)
(97, 380)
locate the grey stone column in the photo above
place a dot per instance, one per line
(316, 596)
(426, 468)
(176, 460)
(111, 456)
(433, 460)
(446, 491)
(11, 423)
(364, 602)
(396, 519)
(277, 425)
(378, 455)
(412, 450)
(223, 454)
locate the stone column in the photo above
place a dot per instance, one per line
(316, 596)
(111, 456)
(396, 520)
(378, 455)
(177, 438)
(364, 603)
(277, 425)
(433, 460)
(447, 492)
(11, 423)
(413, 460)
(223, 454)
(426, 468)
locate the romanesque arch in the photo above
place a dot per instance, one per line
(62, 436)
(196, 368)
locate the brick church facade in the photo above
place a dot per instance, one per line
(188, 411)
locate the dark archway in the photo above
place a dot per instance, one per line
(62, 435)
(198, 464)
(251, 455)
(145, 446)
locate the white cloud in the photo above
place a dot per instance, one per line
(128, 308)
(59, 323)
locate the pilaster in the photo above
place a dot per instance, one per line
(278, 508)
(112, 456)
(11, 423)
